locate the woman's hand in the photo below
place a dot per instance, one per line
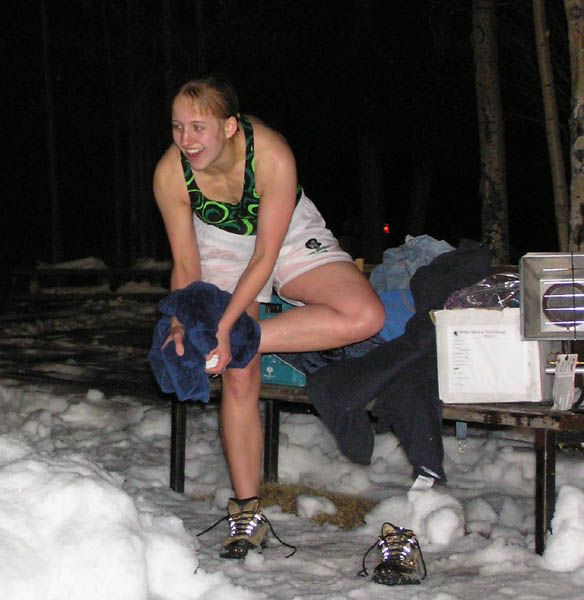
(177, 332)
(223, 353)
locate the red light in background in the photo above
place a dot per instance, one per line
(386, 228)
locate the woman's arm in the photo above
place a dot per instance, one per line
(276, 182)
(174, 205)
(173, 201)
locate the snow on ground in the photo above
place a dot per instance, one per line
(86, 512)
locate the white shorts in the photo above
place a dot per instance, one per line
(308, 244)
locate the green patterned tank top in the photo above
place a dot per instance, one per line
(240, 218)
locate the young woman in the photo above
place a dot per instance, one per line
(236, 216)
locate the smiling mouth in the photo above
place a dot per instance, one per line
(193, 153)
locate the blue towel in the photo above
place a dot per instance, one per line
(198, 307)
(399, 308)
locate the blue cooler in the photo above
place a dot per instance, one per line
(274, 369)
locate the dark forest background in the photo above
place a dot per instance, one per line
(321, 72)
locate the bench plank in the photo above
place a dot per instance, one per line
(524, 415)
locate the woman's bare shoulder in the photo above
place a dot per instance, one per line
(168, 175)
(169, 166)
(169, 160)
(275, 164)
(267, 140)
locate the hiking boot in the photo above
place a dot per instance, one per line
(400, 560)
(248, 528)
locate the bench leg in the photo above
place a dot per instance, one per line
(271, 439)
(178, 431)
(545, 485)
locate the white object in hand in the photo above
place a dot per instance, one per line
(212, 362)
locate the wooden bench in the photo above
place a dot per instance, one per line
(547, 424)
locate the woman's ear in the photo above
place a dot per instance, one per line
(231, 126)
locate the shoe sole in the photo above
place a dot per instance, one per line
(395, 580)
(239, 549)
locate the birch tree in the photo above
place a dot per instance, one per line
(493, 180)
(575, 20)
(552, 125)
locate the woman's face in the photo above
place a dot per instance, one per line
(200, 136)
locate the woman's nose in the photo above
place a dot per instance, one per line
(186, 137)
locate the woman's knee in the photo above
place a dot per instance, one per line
(243, 383)
(375, 316)
(367, 320)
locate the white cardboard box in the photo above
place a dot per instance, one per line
(482, 358)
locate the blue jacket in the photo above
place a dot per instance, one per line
(198, 307)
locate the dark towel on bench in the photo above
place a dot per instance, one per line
(198, 307)
(400, 374)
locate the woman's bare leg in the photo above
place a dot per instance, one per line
(341, 308)
(241, 429)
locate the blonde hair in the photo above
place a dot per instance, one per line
(214, 94)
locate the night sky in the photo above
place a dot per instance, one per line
(318, 71)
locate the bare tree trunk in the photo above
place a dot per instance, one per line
(167, 51)
(421, 184)
(116, 147)
(371, 187)
(146, 230)
(575, 20)
(132, 133)
(552, 125)
(370, 152)
(56, 242)
(493, 181)
(201, 51)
